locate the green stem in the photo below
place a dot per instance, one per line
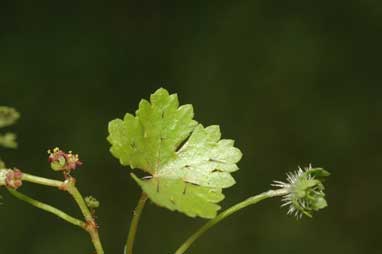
(69, 186)
(80, 202)
(91, 225)
(134, 224)
(42, 180)
(250, 201)
(47, 208)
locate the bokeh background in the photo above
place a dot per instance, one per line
(293, 82)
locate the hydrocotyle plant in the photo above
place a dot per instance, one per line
(185, 168)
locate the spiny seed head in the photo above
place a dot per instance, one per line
(306, 191)
(61, 161)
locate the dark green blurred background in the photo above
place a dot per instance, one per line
(293, 82)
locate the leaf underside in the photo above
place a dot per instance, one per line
(188, 164)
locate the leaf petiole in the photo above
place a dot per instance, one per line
(233, 209)
(134, 224)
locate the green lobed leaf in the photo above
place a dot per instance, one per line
(8, 116)
(8, 140)
(189, 164)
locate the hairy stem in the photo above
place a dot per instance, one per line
(134, 224)
(233, 209)
(47, 208)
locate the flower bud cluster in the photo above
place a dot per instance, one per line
(11, 178)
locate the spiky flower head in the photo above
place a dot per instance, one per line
(305, 191)
(61, 161)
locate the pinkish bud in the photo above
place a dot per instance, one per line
(13, 178)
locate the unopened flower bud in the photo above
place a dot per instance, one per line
(92, 202)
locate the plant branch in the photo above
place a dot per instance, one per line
(69, 186)
(250, 201)
(48, 208)
(42, 181)
(134, 224)
(91, 225)
(75, 193)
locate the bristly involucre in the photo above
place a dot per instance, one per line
(305, 191)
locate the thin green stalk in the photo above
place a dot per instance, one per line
(48, 208)
(134, 224)
(42, 180)
(91, 225)
(69, 185)
(80, 202)
(250, 201)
